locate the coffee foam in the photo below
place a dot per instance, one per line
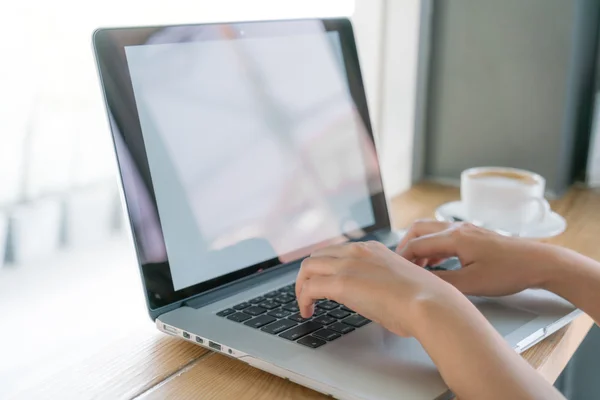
(503, 182)
(504, 178)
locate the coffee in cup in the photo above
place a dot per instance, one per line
(501, 198)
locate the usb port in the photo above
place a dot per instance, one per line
(199, 340)
(170, 329)
(186, 335)
(214, 345)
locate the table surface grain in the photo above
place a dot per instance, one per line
(156, 366)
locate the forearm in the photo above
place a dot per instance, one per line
(474, 360)
(576, 278)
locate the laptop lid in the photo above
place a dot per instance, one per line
(241, 147)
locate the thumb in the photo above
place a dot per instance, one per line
(437, 245)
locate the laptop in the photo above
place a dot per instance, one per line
(243, 147)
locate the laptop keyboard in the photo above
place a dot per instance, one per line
(277, 313)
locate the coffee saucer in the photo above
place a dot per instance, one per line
(553, 225)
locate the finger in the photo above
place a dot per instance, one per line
(313, 266)
(463, 279)
(437, 245)
(422, 262)
(421, 228)
(318, 287)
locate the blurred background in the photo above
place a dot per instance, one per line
(449, 84)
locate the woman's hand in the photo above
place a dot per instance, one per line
(411, 301)
(372, 280)
(493, 265)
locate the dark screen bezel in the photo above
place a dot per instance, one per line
(109, 47)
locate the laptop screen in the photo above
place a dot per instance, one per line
(255, 146)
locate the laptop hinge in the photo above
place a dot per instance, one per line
(240, 285)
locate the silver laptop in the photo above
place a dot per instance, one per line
(242, 147)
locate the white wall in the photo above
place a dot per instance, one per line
(388, 37)
(593, 178)
(369, 29)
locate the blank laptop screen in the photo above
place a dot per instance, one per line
(255, 148)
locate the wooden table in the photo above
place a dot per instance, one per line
(151, 365)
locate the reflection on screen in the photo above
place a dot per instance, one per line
(255, 149)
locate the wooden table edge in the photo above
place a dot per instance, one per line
(558, 349)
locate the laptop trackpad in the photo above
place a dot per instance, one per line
(505, 319)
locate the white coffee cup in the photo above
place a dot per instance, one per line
(507, 199)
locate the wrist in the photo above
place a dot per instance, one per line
(550, 270)
(432, 311)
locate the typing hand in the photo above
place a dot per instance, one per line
(372, 280)
(493, 265)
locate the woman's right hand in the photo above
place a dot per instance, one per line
(492, 264)
(375, 282)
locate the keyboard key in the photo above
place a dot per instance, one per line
(241, 306)
(341, 328)
(298, 318)
(312, 342)
(325, 320)
(272, 294)
(319, 311)
(269, 304)
(279, 313)
(284, 299)
(326, 334)
(339, 314)
(328, 305)
(261, 321)
(255, 310)
(239, 317)
(433, 268)
(257, 300)
(226, 312)
(288, 289)
(279, 326)
(301, 330)
(356, 321)
(347, 309)
(293, 307)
